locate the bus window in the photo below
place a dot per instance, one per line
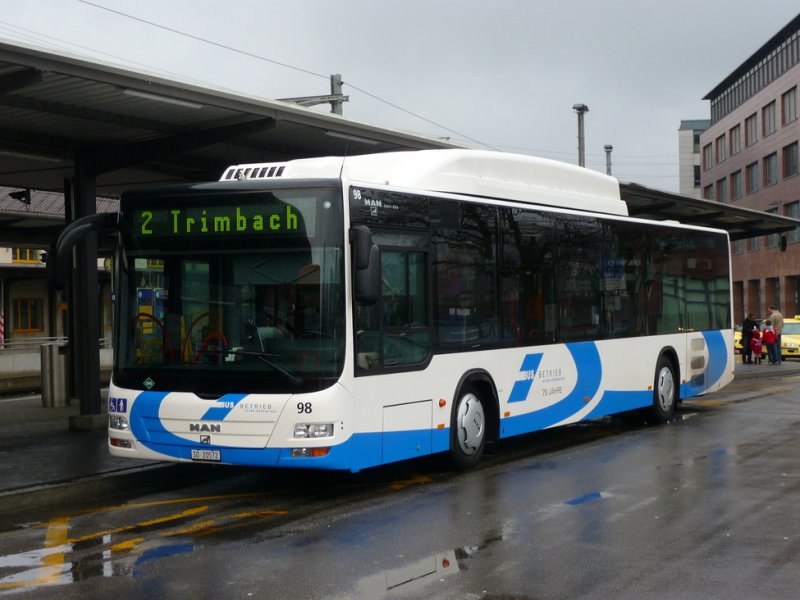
(465, 299)
(396, 332)
(528, 276)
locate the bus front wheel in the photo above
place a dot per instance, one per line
(468, 429)
(665, 391)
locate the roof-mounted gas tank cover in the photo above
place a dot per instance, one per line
(481, 173)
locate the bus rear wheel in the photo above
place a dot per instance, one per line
(468, 429)
(665, 391)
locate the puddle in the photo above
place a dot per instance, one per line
(415, 576)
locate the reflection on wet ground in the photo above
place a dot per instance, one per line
(566, 497)
(75, 550)
(121, 541)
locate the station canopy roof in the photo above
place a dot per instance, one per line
(142, 129)
(740, 223)
(145, 129)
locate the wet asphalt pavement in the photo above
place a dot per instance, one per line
(700, 508)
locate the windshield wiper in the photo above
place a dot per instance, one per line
(265, 358)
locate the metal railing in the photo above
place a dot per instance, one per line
(21, 345)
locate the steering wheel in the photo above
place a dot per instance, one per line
(215, 335)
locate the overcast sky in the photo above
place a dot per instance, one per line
(502, 74)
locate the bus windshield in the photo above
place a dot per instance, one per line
(231, 293)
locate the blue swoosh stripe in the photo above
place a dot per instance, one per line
(218, 413)
(519, 393)
(717, 356)
(590, 374)
(146, 408)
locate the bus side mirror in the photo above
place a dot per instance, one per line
(366, 266)
(60, 253)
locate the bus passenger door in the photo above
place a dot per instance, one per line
(395, 332)
(393, 335)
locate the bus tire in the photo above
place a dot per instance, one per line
(665, 391)
(468, 428)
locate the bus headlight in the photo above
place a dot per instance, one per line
(118, 422)
(313, 430)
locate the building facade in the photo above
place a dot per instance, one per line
(689, 156)
(749, 158)
(29, 311)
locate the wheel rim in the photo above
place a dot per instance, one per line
(666, 389)
(471, 424)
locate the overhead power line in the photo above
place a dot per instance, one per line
(280, 64)
(204, 40)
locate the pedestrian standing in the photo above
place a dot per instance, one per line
(755, 346)
(777, 324)
(770, 340)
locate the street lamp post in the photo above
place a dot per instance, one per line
(608, 148)
(581, 109)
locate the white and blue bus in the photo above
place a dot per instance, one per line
(343, 313)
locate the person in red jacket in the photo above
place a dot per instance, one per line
(771, 340)
(755, 345)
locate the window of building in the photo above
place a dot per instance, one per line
(27, 315)
(708, 192)
(25, 255)
(738, 297)
(773, 290)
(736, 185)
(790, 160)
(697, 176)
(789, 106)
(768, 124)
(735, 139)
(755, 244)
(722, 190)
(721, 149)
(771, 169)
(751, 177)
(707, 157)
(750, 130)
(792, 209)
(796, 290)
(738, 247)
(696, 138)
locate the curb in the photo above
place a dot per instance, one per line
(761, 371)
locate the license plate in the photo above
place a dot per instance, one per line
(205, 455)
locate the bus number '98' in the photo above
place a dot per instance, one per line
(304, 408)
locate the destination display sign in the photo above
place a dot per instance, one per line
(268, 217)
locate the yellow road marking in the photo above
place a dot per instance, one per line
(713, 403)
(52, 562)
(167, 502)
(261, 513)
(57, 534)
(193, 528)
(126, 546)
(399, 485)
(58, 528)
(181, 515)
(56, 538)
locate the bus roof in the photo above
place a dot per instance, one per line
(472, 172)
